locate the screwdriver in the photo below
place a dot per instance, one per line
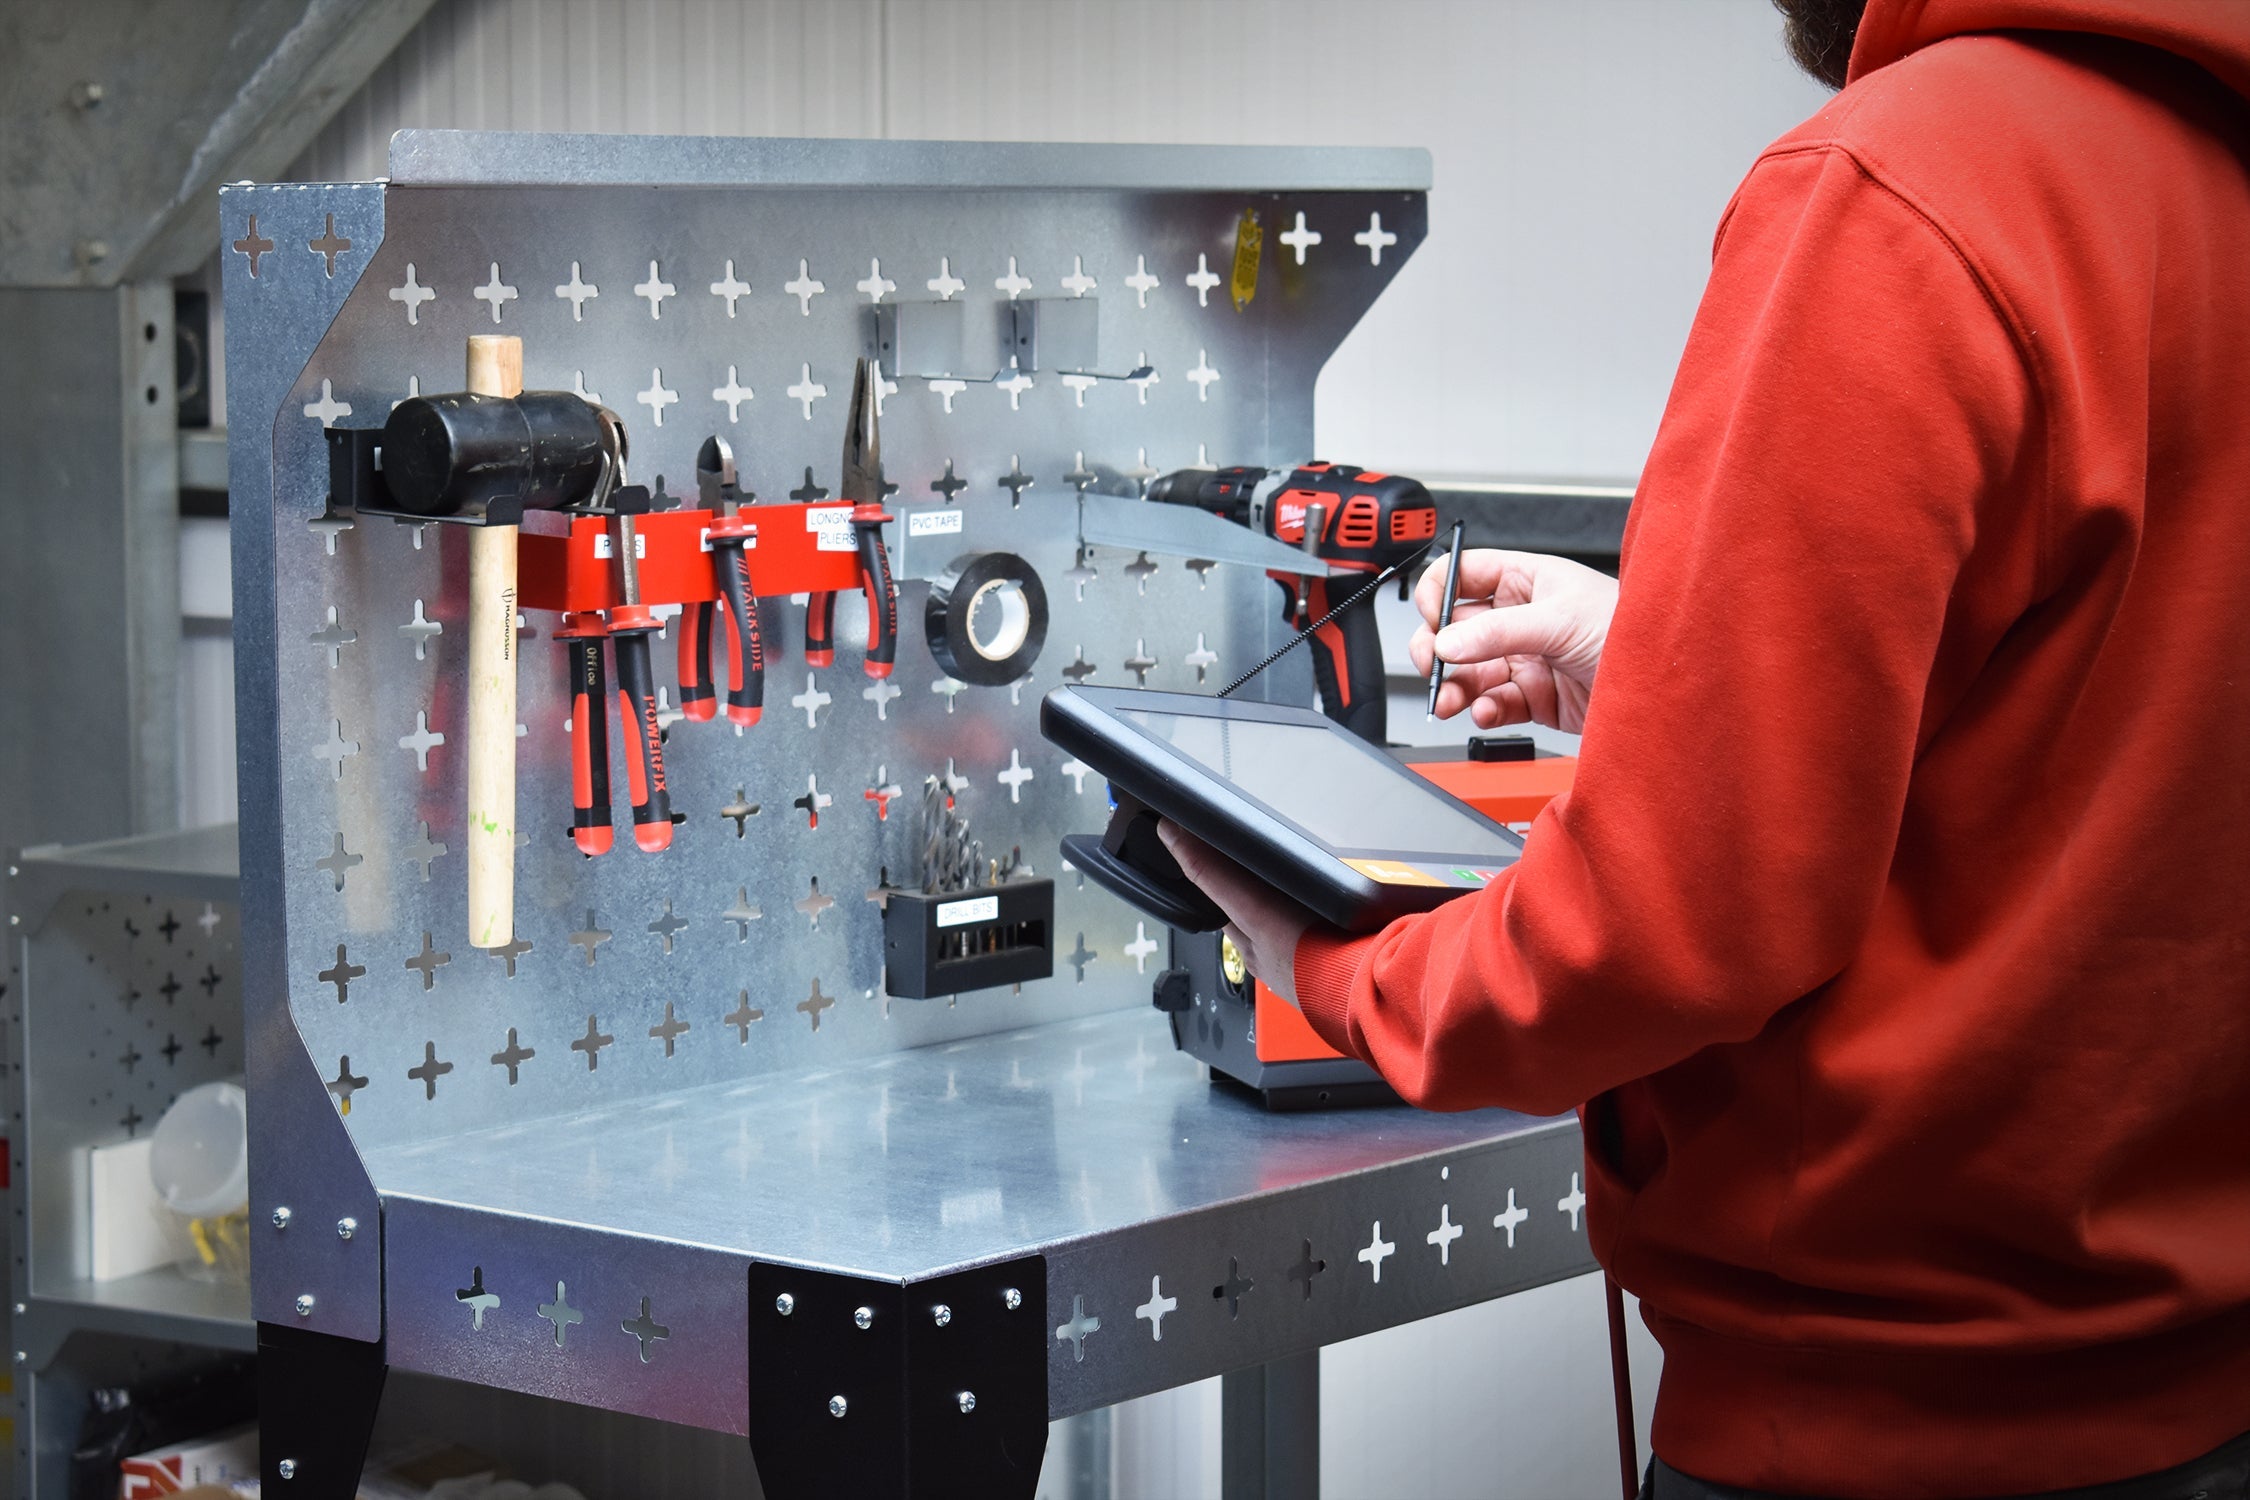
(631, 623)
(746, 654)
(862, 485)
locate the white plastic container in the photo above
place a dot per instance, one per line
(199, 1162)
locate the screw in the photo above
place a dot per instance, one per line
(863, 1317)
(21, 1309)
(1013, 1298)
(785, 1304)
(304, 1305)
(287, 1468)
(21, 1356)
(86, 94)
(941, 1315)
(346, 1228)
(281, 1218)
(967, 1401)
(89, 252)
(837, 1406)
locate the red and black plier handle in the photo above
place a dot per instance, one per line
(875, 581)
(737, 606)
(627, 631)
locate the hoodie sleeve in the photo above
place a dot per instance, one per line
(1849, 403)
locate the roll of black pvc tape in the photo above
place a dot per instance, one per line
(986, 618)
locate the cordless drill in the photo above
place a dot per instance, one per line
(1365, 523)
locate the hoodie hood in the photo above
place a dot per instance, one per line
(2214, 34)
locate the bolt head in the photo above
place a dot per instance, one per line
(837, 1406)
(346, 1228)
(304, 1305)
(967, 1401)
(21, 1356)
(287, 1468)
(21, 1309)
(941, 1315)
(1013, 1298)
(785, 1304)
(281, 1218)
(863, 1318)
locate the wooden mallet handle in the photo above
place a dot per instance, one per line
(495, 369)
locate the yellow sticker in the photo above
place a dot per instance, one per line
(1391, 872)
(1249, 239)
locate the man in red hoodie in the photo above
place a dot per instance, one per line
(1895, 936)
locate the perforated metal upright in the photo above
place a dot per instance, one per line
(674, 1151)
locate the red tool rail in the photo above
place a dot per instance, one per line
(799, 549)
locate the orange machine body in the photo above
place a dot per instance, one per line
(1505, 791)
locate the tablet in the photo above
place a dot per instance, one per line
(1293, 797)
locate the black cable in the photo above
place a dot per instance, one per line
(1377, 582)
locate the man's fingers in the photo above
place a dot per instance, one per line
(1536, 629)
(1486, 573)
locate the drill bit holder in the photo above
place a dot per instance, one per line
(655, 1153)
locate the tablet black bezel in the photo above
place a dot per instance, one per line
(1083, 720)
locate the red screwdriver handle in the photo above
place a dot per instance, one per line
(630, 627)
(881, 590)
(589, 735)
(746, 654)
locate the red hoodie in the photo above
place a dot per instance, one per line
(1898, 923)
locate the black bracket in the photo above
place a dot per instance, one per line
(317, 1398)
(355, 483)
(864, 1387)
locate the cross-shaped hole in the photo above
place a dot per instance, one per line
(412, 294)
(513, 1056)
(1140, 663)
(1300, 239)
(1233, 1289)
(741, 810)
(495, 292)
(804, 288)
(253, 245)
(342, 975)
(1203, 279)
(476, 1299)
(949, 484)
(814, 901)
(669, 1030)
(577, 291)
(1375, 238)
(424, 849)
(1081, 1327)
(646, 1329)
(1142, 282)
(743, 1016)
(338, 861)
(345, 1084)
(669, 925)
(812, 1005)
(655, 289)
(1306, 1269)
(592, 1043)
(1016, 481)
(1079, 957)
(658, 395)
(806, 391)
(742, 913)
(329, 245)
(429, 961)
(591, 936)
(334, 637)
(430, 1071)
(730, 288)
(560, 1313)
(336, 748)
(327, 409)
(422, 741)
(814, 799)
(510, 951)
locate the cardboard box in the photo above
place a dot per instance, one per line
(219, 1460)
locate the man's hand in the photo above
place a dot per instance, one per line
(1264, 924)
(1525, 638)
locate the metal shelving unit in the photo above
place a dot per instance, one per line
(676, 1152)
(131, 993)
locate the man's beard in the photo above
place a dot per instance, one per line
(1819, 35)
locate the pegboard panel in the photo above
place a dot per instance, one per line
(130, 1000)
(754, 943)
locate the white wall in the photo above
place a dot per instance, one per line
(1584, 150)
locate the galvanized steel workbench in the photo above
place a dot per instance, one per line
(674, 1151)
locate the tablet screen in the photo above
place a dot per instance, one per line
(1326, 784)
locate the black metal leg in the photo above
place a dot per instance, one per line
(1269, 1431)
(870, 1388)
(317, 1397)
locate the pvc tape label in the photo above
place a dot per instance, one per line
(986, 618)
(934, 523)
(975, 909)
(831, 526)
